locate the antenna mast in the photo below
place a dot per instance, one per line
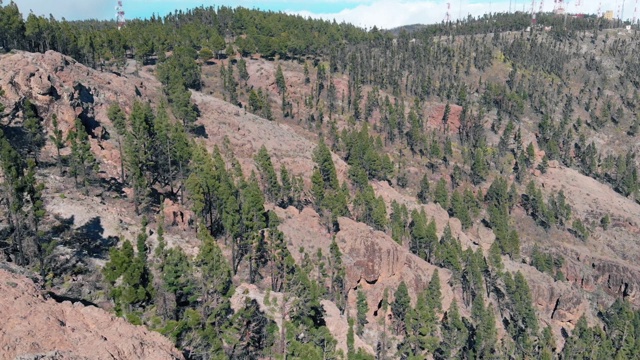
(120, 15)
(447, 17)
(619, 12)
(533, 14)
(541, 6)
(600, 9)
(578, 5)
(635, 13)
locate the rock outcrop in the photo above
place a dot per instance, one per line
(34, 327)
(373, 260)
(57, 84)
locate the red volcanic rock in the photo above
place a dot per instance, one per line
(34, 327)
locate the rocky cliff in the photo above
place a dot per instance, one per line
(35, 326)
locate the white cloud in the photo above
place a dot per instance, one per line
(69, 9)
(388, 14)
(366, 13)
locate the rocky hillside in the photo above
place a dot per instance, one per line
(255, 204)
(41, 326)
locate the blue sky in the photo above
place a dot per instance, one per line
(365, 13)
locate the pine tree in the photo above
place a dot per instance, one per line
(82, 160)
(471, 202)
(286, 195)
(484, 339)
(242, 70)
(398, 222)
(433, 294)
(524, 323)
(139, 150)
(118, 119)
(280, 82)
(351, 349)
(34, 130)
(421, 323)
(307, 80)
(268, 174)
(12, 195)
(370, 210)
(317, 186)
(362, 309)
(214, 283)
(322, 157)
(441, 195)
(337, 275)
(58, 141)
(418, 230)
(548, 344)
(460, 210)
(164, 148)
(134, 290)
(423, 194)
(253, 220)
(479, 169)
(531, 155)
(520, 167)
(33, 191)
(2, 107)
(449, 252)
(454, 333)
(400, 306)
(445, 116)
(201, 185)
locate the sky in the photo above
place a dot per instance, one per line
(384, 14)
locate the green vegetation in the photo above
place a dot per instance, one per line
(369, 95)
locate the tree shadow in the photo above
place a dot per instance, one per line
(88, 240)
(113, 185)
(17, 138)
(200, 131)
(62, 298)
(63, 225)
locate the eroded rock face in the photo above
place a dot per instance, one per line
(57, 84)
(617, 280)
(33, 327)
(372, 259)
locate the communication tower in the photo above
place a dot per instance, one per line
(447, 17)
(619, 11)
(533, 14)
(578, 5)
(120, 15)
(635, 14)
(600, 9)
(541, 6)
